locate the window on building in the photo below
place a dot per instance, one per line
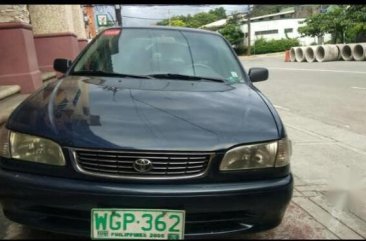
(274, 31)
(289, 30)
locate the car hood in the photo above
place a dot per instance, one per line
(145, 114)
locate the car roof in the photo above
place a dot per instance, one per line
(168, 28)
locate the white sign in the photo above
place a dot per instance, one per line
(102, 19)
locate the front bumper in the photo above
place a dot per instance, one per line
(63, 205)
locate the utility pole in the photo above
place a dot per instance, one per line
(248, 22)
(118, 8)
(169, 16)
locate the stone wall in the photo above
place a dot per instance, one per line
(32, 36)
(54, 18)
(14, 13)
(78, 21)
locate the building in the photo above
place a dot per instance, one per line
(220, 23)
(32, 36)
(89, 20)
(216, 24)
(279, 25)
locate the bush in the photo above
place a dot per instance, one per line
(232, 33)
(262, 46)
(240, 49)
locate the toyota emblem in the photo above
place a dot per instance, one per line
(142, 165)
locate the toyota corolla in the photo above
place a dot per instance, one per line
(154, 133)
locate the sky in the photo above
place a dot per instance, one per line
(158, 12)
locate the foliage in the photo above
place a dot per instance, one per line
(356, 31)
(336, 21)
(196, 20)
(177, 22)
(232, 33)
(314, 26)
(262, 46)
(345, 23)
(263, 9)
(240, 49)
(235, 19)
(219, 12)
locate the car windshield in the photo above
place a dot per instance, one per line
(149, 52)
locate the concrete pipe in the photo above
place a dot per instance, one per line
(346, 52)
(359, 51)
(327, 52)
(310, 54)
(293, 54)
(300, 54)
(340, 46)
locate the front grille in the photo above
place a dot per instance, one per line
(120, 164)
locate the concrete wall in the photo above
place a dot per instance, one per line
(56, 29)
(18, 62)
(280, 25)
(14, 13)
(78, 21)
(32, 36)
(47, 19)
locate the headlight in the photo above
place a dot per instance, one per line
(30, 148)
(272, 154)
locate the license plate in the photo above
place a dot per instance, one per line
(137, 224)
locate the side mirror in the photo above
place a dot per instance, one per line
(61, 65)
(258, 74)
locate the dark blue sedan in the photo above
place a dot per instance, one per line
(153, 133)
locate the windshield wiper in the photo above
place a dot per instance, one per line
(109, 74)
(184, 77)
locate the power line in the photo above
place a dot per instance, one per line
(144, 18)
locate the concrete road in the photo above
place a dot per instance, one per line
(323, 108)
(331, 92)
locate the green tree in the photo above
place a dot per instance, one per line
(356, 32)
(336, 23)
(197, 20)
(344, 23)
(220, 12)
(263, 9)
(232, 33)
(314, 26)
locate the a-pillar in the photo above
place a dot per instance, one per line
(18, 59)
